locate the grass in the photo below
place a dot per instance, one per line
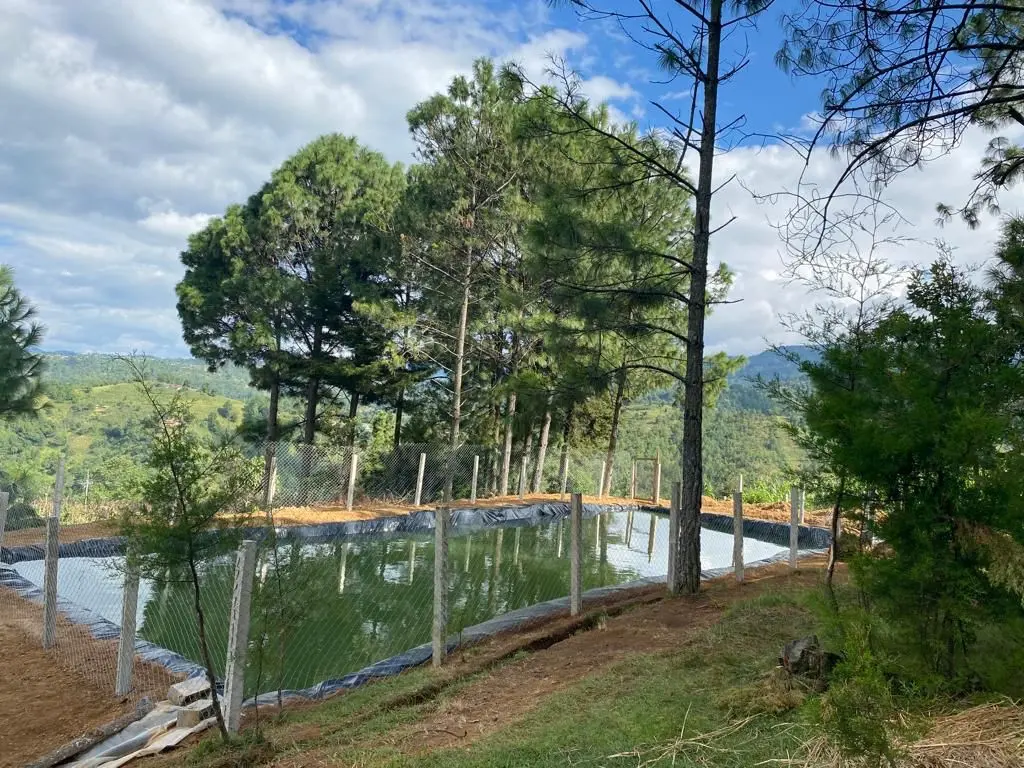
(651, 709)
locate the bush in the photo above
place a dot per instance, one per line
(21, 515)
(859, 710)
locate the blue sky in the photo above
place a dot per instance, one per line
(127, 125)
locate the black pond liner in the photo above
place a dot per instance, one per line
(811, 541)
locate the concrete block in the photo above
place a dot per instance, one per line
(195, 713)
(187, 691)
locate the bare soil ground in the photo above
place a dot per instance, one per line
(48, 698)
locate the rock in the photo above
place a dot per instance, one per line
(806, 658)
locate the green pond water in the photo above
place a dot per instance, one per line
(359, 600)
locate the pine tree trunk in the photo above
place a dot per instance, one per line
(570, 412)
(272, 409)
(399, 407)
(542, 450)
(528, 453)
(460, 359)
(613, 438)
(686, 578)
(833, 551)
(353, 411)
(506, 456)
(492, 481)
(309, 425)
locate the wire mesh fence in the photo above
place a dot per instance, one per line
(324, 610)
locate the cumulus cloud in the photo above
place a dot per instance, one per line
(127, 125)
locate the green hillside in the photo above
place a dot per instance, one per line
(96, 417)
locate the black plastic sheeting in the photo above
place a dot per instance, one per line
(811, 541)
(421, 521)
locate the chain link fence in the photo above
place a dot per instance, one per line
(324, 610)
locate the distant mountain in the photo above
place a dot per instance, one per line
(769, 364)
(70, 370)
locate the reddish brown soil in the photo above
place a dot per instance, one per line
(48, 698)
(367, 509)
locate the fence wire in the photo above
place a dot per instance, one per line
(321, 611)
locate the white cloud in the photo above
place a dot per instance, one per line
(127, 124)
(752, 248)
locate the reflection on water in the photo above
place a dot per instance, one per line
(355, 602)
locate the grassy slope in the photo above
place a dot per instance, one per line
(641, 704)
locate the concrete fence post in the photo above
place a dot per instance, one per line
(50, 582)
(737, 535)
(794, 524)
(419, 479)
(673, 531)
(439, 636)
(58, 489)
(657, 480)
(576, 555)
(472, 484)
(269, 486)
(563, 478)
(126, 643)
(522, 476)
(600, 482)
(4, 500)
(352, 470)
(238, 634)
(50, 563)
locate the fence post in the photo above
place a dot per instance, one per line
(564, 479)
(673, 531)
(419, 479)
(739, 486)
(476, 474)
(126, 643)
(737, 535)
(238, 634)
(657, 480)
(794, 524)
(650, 538)
(353, 464)
(439, 637)
(600, 482)
(50, 582)
(58, 488)
(522, 476)
(4, 498)
(50, 564)
(576, 555)
(803, 499)
(269, 476)
(632, 482)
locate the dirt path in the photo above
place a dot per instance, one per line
(48, 698)
(497, 699)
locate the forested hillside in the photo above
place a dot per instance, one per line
(97, 416)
